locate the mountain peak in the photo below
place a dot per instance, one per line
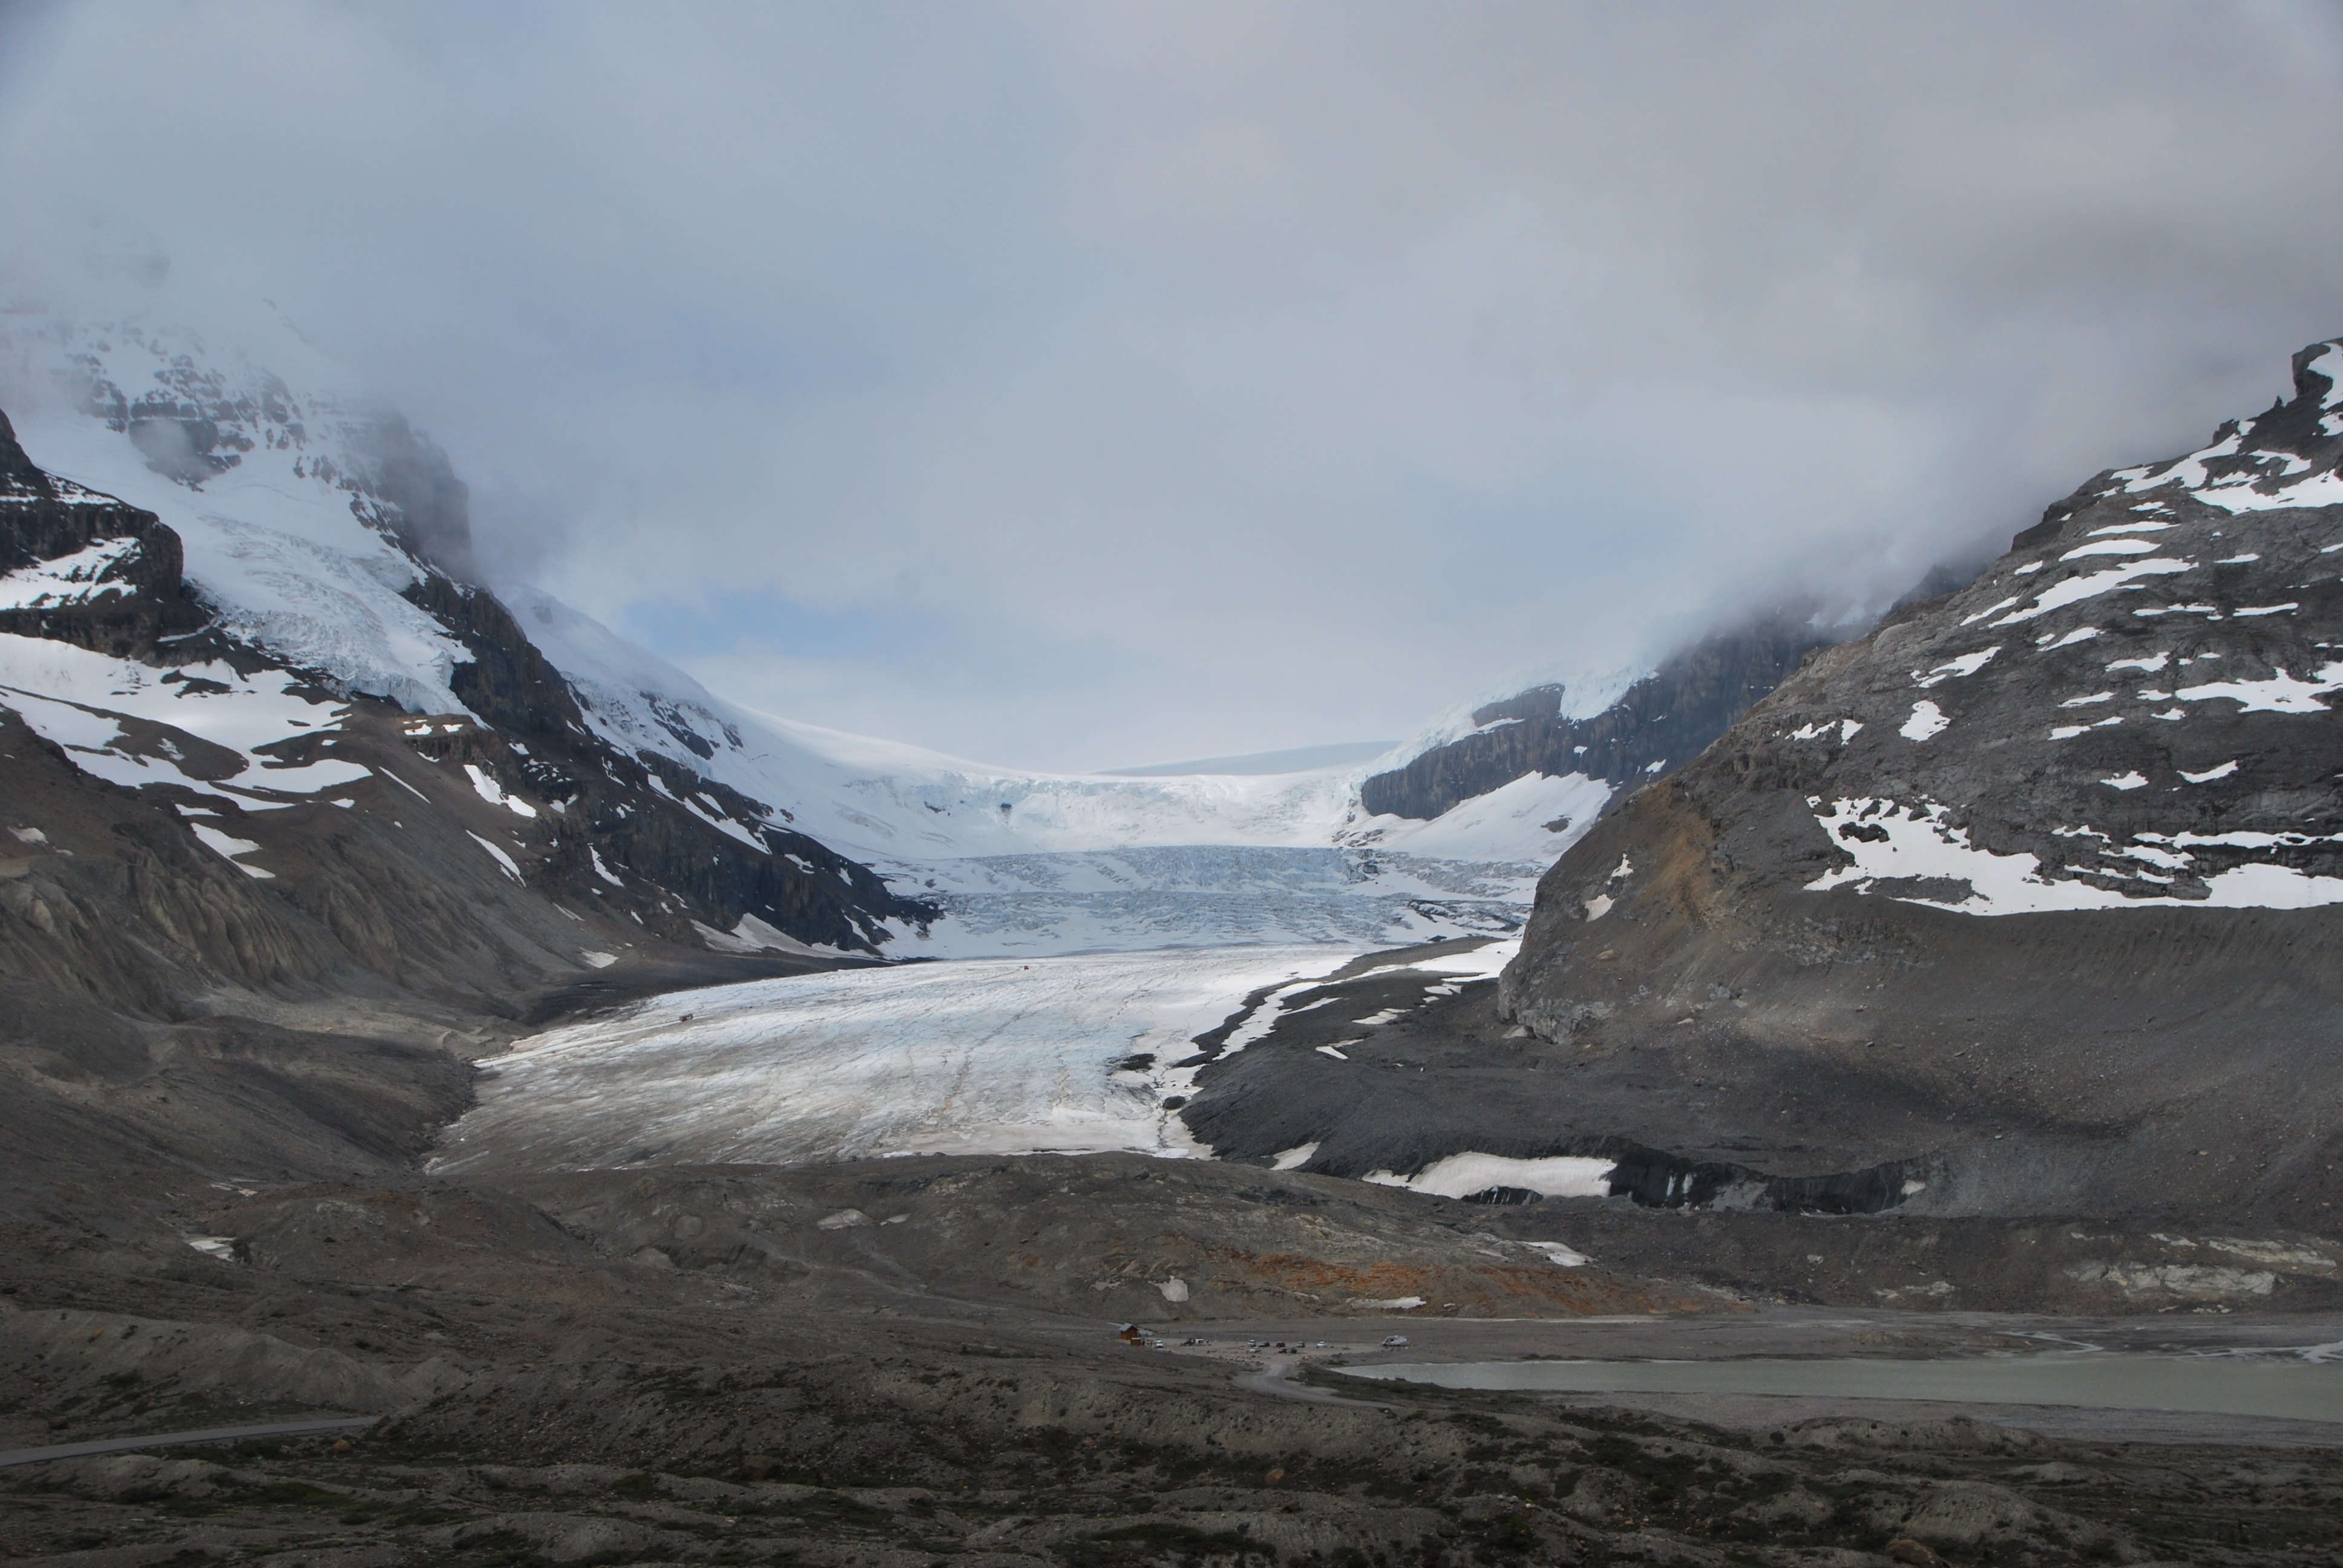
(19, 475)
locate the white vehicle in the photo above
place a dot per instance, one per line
(1394, 1342)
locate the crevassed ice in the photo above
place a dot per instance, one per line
(987, 1056)
(1032, 863)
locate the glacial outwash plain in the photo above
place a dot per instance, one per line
(1835, 1096)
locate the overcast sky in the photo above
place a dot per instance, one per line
(1075, 385)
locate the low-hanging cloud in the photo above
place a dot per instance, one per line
(1077, 385)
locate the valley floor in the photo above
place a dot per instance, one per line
(656, 1302)
(531, 1411)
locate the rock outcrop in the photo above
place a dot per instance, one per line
(252, 919)
(82, 567)
(1662, 721)
(2059, 858)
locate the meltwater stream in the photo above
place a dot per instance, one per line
(2303, 1384)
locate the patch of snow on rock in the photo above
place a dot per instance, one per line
(1461, 1175)
(1926, 722)
(1896, 844)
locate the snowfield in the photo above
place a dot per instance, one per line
(282, 546)
(993, 1057)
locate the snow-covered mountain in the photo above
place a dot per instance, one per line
(245, 604)
(1027, 862)
(306, 521)
(1033, 862)
(1620, 729)
(325, 538)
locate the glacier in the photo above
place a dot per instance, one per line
(283, 549)
(1026, 863)
(1090, 918)
(982, 1056)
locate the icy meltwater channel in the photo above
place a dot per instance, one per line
(2302, 1383)
(969, 1057)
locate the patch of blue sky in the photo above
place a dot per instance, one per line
(747, 620)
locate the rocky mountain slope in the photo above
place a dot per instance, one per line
(2057, 854)
(1662, 720)
(257, 911)
(2027, 903)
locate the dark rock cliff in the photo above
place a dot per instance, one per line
(632, 807)
(119, 602)
(1663, 721)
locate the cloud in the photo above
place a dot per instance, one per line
(1074, 385)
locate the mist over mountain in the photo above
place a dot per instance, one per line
(317, 533)
(1061, 386)
(2019, 905)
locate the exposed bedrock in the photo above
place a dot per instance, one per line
(276, 958)
(636, 810)
(2056, 857)
(1712, 1119)
(1662, 721)
(122, 565)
